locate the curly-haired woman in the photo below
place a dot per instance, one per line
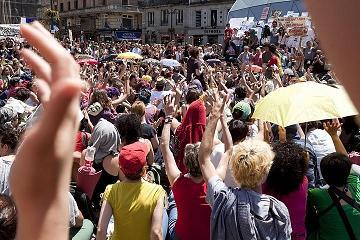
(287, 182)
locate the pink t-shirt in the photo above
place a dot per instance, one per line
(296, 204)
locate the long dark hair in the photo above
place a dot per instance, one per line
(100, 96)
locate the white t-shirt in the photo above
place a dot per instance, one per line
(159, 95)
(322, 143)
(215, 158)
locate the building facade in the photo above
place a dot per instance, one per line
(101, 19)
(185, 21)
(11, 11)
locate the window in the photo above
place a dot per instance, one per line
(150, 19)
(179, 16)
(214, 18)
(84, 3)
(125, 2)
(164, 17)
(127, 21)
(61, 7)
(197, 18)
(76, 4)
(69, 6)
(104, 2)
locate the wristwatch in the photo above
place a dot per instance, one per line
(168, 120)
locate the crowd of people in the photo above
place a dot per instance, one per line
(175, 151)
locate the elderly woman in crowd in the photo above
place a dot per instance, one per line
(256, 215)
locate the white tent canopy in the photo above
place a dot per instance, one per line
(254, 8)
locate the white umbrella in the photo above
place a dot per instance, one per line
(170, 63)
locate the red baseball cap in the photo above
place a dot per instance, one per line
(132, 158)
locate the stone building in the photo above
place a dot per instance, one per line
(101, 19)
(185, 21)
(11, 11)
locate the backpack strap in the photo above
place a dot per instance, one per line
(346, 198)
(342, 214)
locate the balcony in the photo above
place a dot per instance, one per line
(156, 3)
(113, 8)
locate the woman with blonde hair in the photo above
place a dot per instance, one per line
(242, 212)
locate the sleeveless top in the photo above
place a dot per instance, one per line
(193, 210)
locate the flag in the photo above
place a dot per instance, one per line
(26, 20)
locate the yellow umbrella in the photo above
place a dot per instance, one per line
(129, 55)
(304, 102)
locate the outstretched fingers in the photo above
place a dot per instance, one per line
(38, 64)
(62, 63)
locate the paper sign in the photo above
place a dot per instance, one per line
(9, 30)
(265, 13)
(291, 22)
(297, 31)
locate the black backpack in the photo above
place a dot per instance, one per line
(84, 204)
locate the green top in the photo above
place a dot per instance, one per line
(331, 224)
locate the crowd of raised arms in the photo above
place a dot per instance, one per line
(122, 140)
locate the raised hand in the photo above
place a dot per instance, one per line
(169, 105)
(216, 102)
(40, 174)
(332, 127)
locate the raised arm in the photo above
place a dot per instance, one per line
(126, 94)
(207, 143)
(332, 128)
(43, 208)
(172, 169)
(223, 164)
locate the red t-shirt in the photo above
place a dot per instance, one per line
(228, 34)
(193, 211)
(273, 61)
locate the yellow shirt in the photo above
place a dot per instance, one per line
(133, 205)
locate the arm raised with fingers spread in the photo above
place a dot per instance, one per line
(228, 142)
(207, 168)
(40, 174)
(172, 169)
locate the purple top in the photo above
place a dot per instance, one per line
(296, 204)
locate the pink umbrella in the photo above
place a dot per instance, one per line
(255, 68)
(88, 61)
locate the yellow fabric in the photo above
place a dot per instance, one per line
(133, 205)
(304, 102)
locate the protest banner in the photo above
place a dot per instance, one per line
(297, 31)
(292, 22)
(265, 13)
(9, 30)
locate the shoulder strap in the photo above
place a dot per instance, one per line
(342, 215)
(346, 198)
